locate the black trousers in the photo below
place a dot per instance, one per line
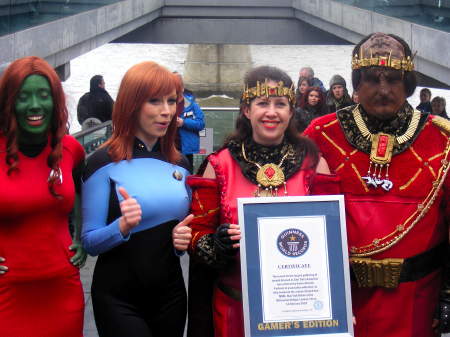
(138, 288)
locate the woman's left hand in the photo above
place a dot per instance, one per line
(79, 259)
(181, 234)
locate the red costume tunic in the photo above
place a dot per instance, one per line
(373, 214)
(228, 316)
(41, 294)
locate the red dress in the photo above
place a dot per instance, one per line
(41, 294)
(228, 315)
(373, 214)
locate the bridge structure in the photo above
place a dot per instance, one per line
(60, 30)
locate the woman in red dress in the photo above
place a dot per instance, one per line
(265, 156)
(40, 288)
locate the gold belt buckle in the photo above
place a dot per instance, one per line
(376, 273)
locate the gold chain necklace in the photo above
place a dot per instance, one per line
(382, 149)
(269, 176)
(410, 131)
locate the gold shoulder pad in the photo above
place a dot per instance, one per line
(442, 123)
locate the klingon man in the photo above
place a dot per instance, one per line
(393, 163)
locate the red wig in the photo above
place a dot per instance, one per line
(10, 84)
(141, 82)
(304, 99)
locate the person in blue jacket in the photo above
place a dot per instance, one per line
(190, 122)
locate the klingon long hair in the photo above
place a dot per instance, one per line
(10, 84)
(141, 82)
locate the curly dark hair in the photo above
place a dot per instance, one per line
(409, 78)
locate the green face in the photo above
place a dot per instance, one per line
(34, 108)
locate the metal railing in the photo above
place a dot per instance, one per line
(93, 137)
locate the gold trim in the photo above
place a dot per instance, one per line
(401, 230)
(419, 158)
(265, 90)
(442, 124)
(334, 144)
(406, 64)
(377, 273)
(360, 178)
(339, 167)
(405, 186)
(365, 132)
(432, 171)
(436, 156)
(330, 124)
(353, 152)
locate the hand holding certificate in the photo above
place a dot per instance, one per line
(294, 264)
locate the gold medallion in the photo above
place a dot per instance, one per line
(177, 175)
(270, 175)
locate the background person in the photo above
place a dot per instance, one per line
(97, 103)
(338, 97)
(393, 163)
(39, 176)
(265, 134)
(308, 73)
(190, 123)
(134, 194)
(425, 104)
(438, 107)
(302, 85)
(311, 106)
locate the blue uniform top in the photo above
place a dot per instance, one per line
(157, 185)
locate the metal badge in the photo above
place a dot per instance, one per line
(177, 175)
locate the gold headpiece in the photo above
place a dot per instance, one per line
(265, 90)
(405, 64)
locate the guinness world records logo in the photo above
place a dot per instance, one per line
(292, 242)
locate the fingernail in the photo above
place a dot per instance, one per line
(5, 268)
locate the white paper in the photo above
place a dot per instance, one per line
(295, 283)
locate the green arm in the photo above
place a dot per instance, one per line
(80, 256)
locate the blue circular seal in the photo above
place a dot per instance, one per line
(292, 242)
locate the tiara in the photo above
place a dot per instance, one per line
(405, 64)
(264, 90)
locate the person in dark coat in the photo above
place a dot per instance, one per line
(425, 104)
(96, 103)
(337, 96)
(311, 106)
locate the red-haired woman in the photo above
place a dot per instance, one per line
(39, 280)
(134, 194)
(312, 105)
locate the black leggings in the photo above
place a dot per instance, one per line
(138, 288)
(117, 317)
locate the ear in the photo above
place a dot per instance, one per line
(246, 111)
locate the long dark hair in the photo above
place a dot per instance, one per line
(243, 129)
(409, 77)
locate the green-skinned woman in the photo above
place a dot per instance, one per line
(40, 288)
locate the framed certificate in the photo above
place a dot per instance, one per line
(294, 266)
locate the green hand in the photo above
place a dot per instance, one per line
(79, 259)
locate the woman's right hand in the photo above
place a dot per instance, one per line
(131, 212)
(3, 268)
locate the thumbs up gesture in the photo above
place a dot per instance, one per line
(181, 234)
(131, 212)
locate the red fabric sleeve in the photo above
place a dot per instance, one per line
(204, 206)
(323, 184)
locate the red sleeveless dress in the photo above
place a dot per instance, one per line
(41, 294)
